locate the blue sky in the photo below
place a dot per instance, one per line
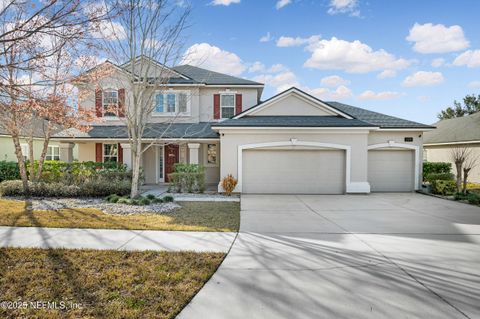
(359, 48)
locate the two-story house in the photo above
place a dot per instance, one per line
(289, 143)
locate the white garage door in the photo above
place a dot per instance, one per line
(391, 170)
(294, 171)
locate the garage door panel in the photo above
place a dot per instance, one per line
(294, 171)
(391, 170)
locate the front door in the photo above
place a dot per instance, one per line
(171, 158)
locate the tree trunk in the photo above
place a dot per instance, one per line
(41, 160)
(465, 178)
(21, 163)
(458, 166)
(136, 157)
(31, 159)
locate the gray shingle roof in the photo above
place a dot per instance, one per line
(154, 130)
(210, 77)
(377, 119)
(460, 129)
(293, 121)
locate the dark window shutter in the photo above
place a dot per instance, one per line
(98, 152)
(120, 154)
(216, 106)
(121, 102)
(238, 104)
(98, 103)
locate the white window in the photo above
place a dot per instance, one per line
(212, 154)
(110, 153)
(25, 151)
(171, 102)
(53, 153)
(227, 105)
(109, 102)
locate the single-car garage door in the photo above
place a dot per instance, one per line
(391, 170)
(293, 171)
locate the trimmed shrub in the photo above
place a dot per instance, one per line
(167, 199)
(151, 196)
(157, 200)
(100, 188)
(228, 184)
(473, 199)
(144, 201)
(9, 171)
(444, 187)
(187, 178)
(439, 177)
(436, 168)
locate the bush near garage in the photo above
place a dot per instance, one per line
(187, 178)
(436, 168)
(444, 187)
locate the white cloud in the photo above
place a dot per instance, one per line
(438, 62)
(223, 2)
(282, 3)
(352, 57)
(281, 81)
(277, 68)
(386, 95)
(387, 74)
(344, 6)
(470, 58)
(423, 78)
(340, 93)
(211, 57)
(333, 81)
(474, 85)
(109, 30)
(256, 67)
(437, 38)
(291, 42)
(424, 98)
(266, 38)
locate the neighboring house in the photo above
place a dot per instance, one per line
(290, 143)
(457, 132)
(7, 149)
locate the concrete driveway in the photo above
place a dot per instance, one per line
(348, 256)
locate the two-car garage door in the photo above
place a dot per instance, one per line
(289, 171)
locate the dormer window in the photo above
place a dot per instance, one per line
(109, 102)
(227, 105)
(170, 103)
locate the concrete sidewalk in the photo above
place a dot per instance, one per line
(77, 238)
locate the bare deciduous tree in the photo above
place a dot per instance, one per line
(464, 161)
(148, 37)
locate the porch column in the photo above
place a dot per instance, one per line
(127, 154)
(66, 152)
(193, 152)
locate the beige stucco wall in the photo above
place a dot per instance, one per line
(356, 139)
(443, 154)
(86, 152)
(200, 100)
(301, 107)
(7, 150)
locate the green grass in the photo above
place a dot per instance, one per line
(192, 216)
(102, 284)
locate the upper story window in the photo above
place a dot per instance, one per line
(109, 101)
(171, 102)
(53, 153)
(110, 153)
(227, 105)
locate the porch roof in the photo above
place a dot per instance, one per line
(200, 130)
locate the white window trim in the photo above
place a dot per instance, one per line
(53, 153)
(205, 156)
(171, 114)
(103, 151)
(234, 103)
(109, 117)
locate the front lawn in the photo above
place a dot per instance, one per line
(100, 284)
(192, 216)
